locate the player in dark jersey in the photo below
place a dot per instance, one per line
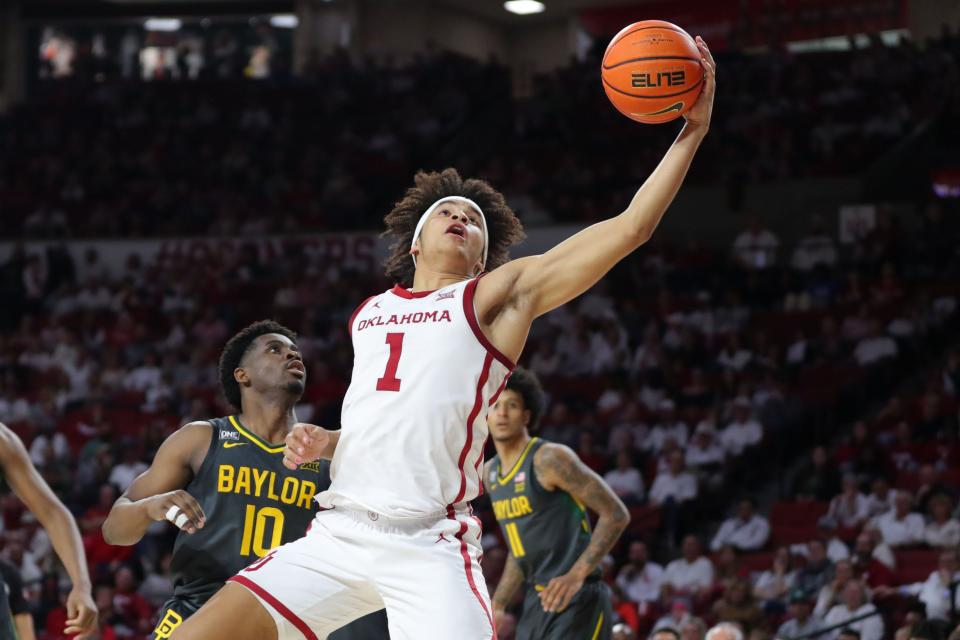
(16, 622)
(30, 487)
(540, 493)
(222, 481)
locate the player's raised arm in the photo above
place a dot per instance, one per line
(156, 491)
(538, 284)
(30, 487)
(558, 467)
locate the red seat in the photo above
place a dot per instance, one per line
(798, 513)
(915, 565)
(797, 534)
(756, 561)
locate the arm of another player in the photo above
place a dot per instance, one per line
(160, 487)
(510, 581)
(558, 468)
(308, 442)
(31, 488)
(538, 284)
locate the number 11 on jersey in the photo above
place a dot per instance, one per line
(389, 381)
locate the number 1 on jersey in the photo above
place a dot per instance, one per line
(389, 381)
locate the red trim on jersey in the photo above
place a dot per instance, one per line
(476, 467)
(477, 405)
(468, 566)
(503, 385)
(406, 293)
(471, 314)
(301, 626)
(353, 316)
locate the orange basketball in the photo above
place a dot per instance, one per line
(651, 71)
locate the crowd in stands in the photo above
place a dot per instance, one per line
(679, 378)
(319, 152)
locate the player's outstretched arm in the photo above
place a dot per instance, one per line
(538, 284)
(59, 525)
(558, 468)
(157, 490)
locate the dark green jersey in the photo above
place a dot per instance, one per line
(545, 530)
(252, 504)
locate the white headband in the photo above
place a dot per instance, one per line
(432, 208)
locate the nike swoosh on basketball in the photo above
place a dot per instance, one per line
(227, 445)
(676, 106)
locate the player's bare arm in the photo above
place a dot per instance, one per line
(559, 469)
(513, 295)
(308, 442)
(156, 491)
(510, 581)
(33, 490)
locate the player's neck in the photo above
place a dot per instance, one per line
(511, 450)
(427, 279)
(269, 421)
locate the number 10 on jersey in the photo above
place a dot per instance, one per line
(255, 530)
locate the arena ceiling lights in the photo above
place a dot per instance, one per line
(524, 7)
(162, 24)
(284, 21)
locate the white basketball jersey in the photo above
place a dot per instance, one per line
(414, 424)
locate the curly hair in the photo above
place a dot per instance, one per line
(503, 227)
(236, 348)
(526, 383)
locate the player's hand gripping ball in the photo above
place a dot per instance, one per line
(653, 71)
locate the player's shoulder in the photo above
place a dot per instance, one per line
(192, 434)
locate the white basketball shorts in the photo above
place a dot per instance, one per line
(426, 573)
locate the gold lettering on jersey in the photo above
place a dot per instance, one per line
(243, 481)
(262, 483)
(288, 493)
(170, 621)
(512, 507)
(407, 318)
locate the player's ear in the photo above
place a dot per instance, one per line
(415, 249)
(240, 375)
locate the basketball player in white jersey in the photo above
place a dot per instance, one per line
(395, 528)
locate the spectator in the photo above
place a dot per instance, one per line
(157, 588)
(747, 531)
(814, 249)
(676, 484)
(733, 356)
(816, 479)
(678, 615)
(693, 629)
(744, 432)
(935, 592)
(640, 579)
(881, 498)
(725, 631)
(818, 571)
(855, 604)
(665, 633)
(132, 466)
(691, 574)
(727, 567)
(900, 527)
(941, 530)
(134, 615)
(870, 560)
(802, 620)
(875, 346)
(667, 427)
(756, 248)
(625, 479)
(771, 586)
(705, 455)
(737, 605)
(831, 593)
(622, 631)
(623, 609)
(849, 509)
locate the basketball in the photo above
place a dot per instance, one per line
(651, 71)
